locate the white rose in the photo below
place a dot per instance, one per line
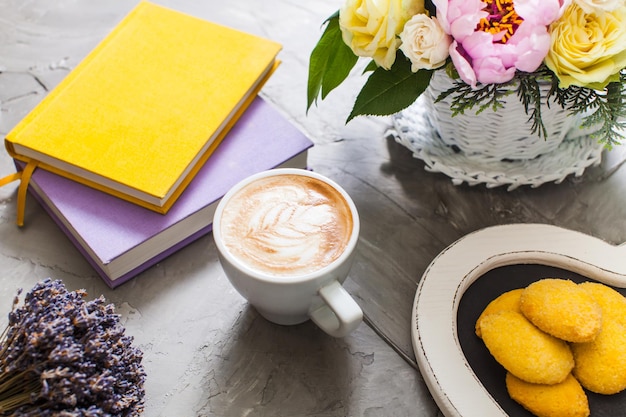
(371, 27)
(425, 43)
(594, 6)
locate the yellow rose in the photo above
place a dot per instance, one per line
(371, 27)
(588, 50)
(590, 6)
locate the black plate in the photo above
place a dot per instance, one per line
(490, 373)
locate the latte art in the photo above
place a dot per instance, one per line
(287, 225)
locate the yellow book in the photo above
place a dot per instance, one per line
(142, 112)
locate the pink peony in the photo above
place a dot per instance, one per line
(494, 38)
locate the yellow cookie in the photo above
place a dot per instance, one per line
(601, 364)
(566, 399)
(505, 301)
(524, 350)
(613, 303)
(562, 308)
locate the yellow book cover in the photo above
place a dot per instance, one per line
(143, 111)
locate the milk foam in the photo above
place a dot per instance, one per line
(287, 225)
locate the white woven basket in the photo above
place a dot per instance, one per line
(414, 129)
(504, 134)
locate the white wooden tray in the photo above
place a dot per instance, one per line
(455, 386)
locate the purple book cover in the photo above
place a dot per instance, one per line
(105, 228)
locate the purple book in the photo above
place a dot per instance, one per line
(121, 239)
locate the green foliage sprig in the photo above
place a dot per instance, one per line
(464, 97)
(604, 111)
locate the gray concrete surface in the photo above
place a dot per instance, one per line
(206, 352)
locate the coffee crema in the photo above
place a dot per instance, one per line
(287, 225)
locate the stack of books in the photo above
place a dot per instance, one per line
(132, 151)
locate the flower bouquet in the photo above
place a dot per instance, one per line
(569, 54)
(66, 357)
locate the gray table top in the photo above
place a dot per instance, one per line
(208, 353)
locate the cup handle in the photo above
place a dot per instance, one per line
(339, 315)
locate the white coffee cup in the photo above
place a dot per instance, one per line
(293, 283)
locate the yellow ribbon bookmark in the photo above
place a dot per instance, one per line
(13, 177)
(24, 176)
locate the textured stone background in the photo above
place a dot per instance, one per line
(207, 352)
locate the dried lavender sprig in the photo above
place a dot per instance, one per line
(74, 354)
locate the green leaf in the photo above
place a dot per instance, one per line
(330, 62)
(430, 7)
(389, 91)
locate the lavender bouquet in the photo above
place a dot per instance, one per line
(62, 356)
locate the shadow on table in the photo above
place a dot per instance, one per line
(267, 369)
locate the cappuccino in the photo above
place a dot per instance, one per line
(286, 225)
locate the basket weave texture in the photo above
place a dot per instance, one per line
(490, 135)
